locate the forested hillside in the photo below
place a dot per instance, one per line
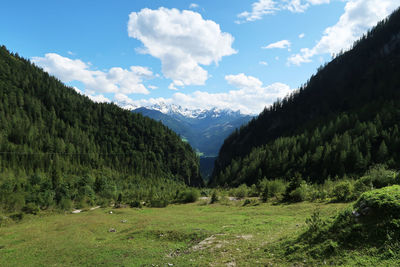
(56, 144)
(343, 120)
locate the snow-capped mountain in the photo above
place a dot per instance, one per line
(204, 129)
(175, 110)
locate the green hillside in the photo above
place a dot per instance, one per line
(343, 120)
(58, 146)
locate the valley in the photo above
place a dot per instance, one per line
(185, 160)
(204, 130)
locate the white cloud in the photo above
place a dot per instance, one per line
(264, 63)
(112, 81)
(71, 53)
(358, 17)
(281, 45)
(99, 99)
(193, 6)
(266, 7)
(259, 9)
(152, 87)
(250, 96)
(301, 35)
(242, 81)
(182, 40)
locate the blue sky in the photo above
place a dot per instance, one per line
(237, 54)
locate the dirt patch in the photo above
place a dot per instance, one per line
(209, 242)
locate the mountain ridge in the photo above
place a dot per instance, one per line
(309, 133)
(205, 129)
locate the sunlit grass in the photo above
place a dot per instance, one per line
(235, 235)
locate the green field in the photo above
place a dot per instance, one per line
(182, 235)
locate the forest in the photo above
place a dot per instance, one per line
(58, 148)
(344, 120)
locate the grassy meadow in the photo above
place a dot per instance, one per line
(197, 234)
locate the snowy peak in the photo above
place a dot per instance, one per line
(177, 110)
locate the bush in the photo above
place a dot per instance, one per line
(240, 192)
(31, 208)
(17, 216)
(214, 197)
(65, 204)
(343, 191)
(253, 191)
(381, 177)
(135, 204)
(276, 188)
(265, 193)
(295, 183)
(250, 202)
(188, 196)
(299, 194)
(158, 203)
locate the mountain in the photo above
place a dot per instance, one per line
(205, 129)
(58, 146)
(343, 120)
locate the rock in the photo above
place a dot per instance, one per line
(111, 212)
(124, 221)
(112, 230)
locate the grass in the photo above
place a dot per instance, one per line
(183, 235)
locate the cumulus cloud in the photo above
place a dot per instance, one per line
(182, 40)
(301, 35)
(99, 98)
(266, 7)
(250, 96)
(281, 45)
(358, 17)
(115, 80)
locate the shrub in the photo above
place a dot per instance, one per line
(31, 208)
(253, 191)
(276, 188)
(265, 193)
(65, 204)
(299, 194)
(240, 192)
(381, 177)
(188, 196)
(295, 183)
(17, 216)
(343, 191)
(250, 202)
(135, 204)
(158, 203)
(214, 197)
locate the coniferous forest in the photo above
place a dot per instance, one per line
(57, 147)
(345, 119)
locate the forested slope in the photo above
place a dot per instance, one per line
(343, 120)
(48, 129)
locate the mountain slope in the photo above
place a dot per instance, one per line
(47, 128)
(342, 121)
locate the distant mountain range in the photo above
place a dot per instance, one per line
(205, 130)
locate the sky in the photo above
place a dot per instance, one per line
(236, 54)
